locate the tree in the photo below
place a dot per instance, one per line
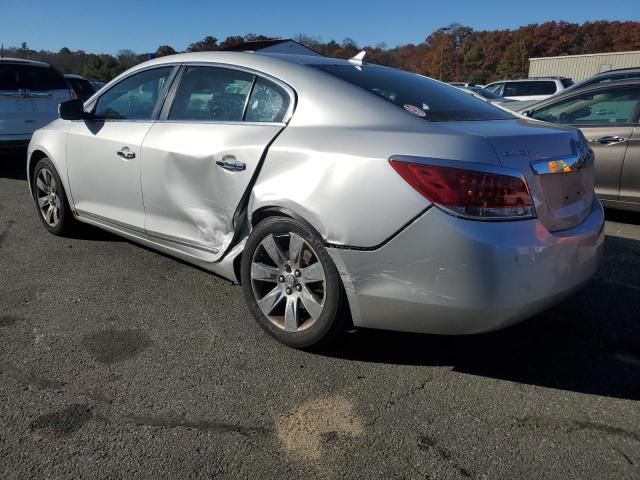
(164, 50)
(208, 43)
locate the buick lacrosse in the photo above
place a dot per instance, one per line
(333, 191)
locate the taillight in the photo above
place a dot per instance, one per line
(469, 193)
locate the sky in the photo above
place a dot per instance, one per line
(107, 26)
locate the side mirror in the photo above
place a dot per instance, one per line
(72, 110)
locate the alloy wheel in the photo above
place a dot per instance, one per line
(48, 197)
(288, 281)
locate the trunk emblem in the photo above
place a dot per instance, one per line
(517, 153)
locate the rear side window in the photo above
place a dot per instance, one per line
(616, 106)
(211, 94)
(516, 89)
(268, 103)
(431, 100)
(38, 79)
(543, 88)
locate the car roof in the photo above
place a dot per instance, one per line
(617, 70)
(532, 79)
(24, 61)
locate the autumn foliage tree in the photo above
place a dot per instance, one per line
(457, 53)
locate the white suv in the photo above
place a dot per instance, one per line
(529, 88)
(30, 93)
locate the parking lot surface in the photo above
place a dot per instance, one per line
(117, 361)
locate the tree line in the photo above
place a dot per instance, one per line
(453, 53)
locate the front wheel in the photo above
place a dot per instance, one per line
(51, 200)
(291, 284)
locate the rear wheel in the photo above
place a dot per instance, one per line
(51, 201)
(291, 284)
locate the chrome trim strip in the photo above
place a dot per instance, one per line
(581, 157)
(180, 241)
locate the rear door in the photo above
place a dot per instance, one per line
(29, 97)
(199, 158)
(606, 118)
(103, 154)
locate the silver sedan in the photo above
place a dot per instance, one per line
(336, 192)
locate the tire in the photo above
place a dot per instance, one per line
(280, 285)
(50, 199)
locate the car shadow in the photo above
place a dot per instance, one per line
(13, 164)
(590, 343)
(622, 216)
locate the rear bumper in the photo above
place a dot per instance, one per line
(446, 275)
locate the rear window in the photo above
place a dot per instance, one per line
(431, 100)
(543, 88)
(38, 79)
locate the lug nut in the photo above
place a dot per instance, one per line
(297, 273)
(281, 279)
(299, 288)
(289, 291)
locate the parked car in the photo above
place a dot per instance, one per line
(529, 88)
(81, 86)
(488, 95)
(332, 190)
(608, 115)
(608, 76)
(29, 96)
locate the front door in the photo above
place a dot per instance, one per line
(199, 158)
(104, 153)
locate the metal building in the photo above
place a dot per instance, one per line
(579, 67)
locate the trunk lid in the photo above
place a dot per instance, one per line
(556, 162)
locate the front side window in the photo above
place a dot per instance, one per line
(421, 96)
(268, 103)
(495, 88)
(616, 106)
(211, 94)
(135, 97)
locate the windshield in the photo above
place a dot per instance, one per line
(421, 96)
(484, 93)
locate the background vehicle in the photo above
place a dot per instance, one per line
(483, 92)
(30, 93)
(608, 76)
(80, 85)
(329, 186)
(529, 88)
(607, 113)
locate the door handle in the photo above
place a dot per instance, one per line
(229, 162)
(125, 153)
(609, 140)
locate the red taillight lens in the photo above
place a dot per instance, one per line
(469, 193)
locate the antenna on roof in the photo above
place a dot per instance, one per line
(359, 58)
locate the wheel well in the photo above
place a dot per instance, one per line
(257, 217)
(35, 157)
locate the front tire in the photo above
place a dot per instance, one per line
(50, 199)
(291, 285)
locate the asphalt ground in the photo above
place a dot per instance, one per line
(119, 362)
